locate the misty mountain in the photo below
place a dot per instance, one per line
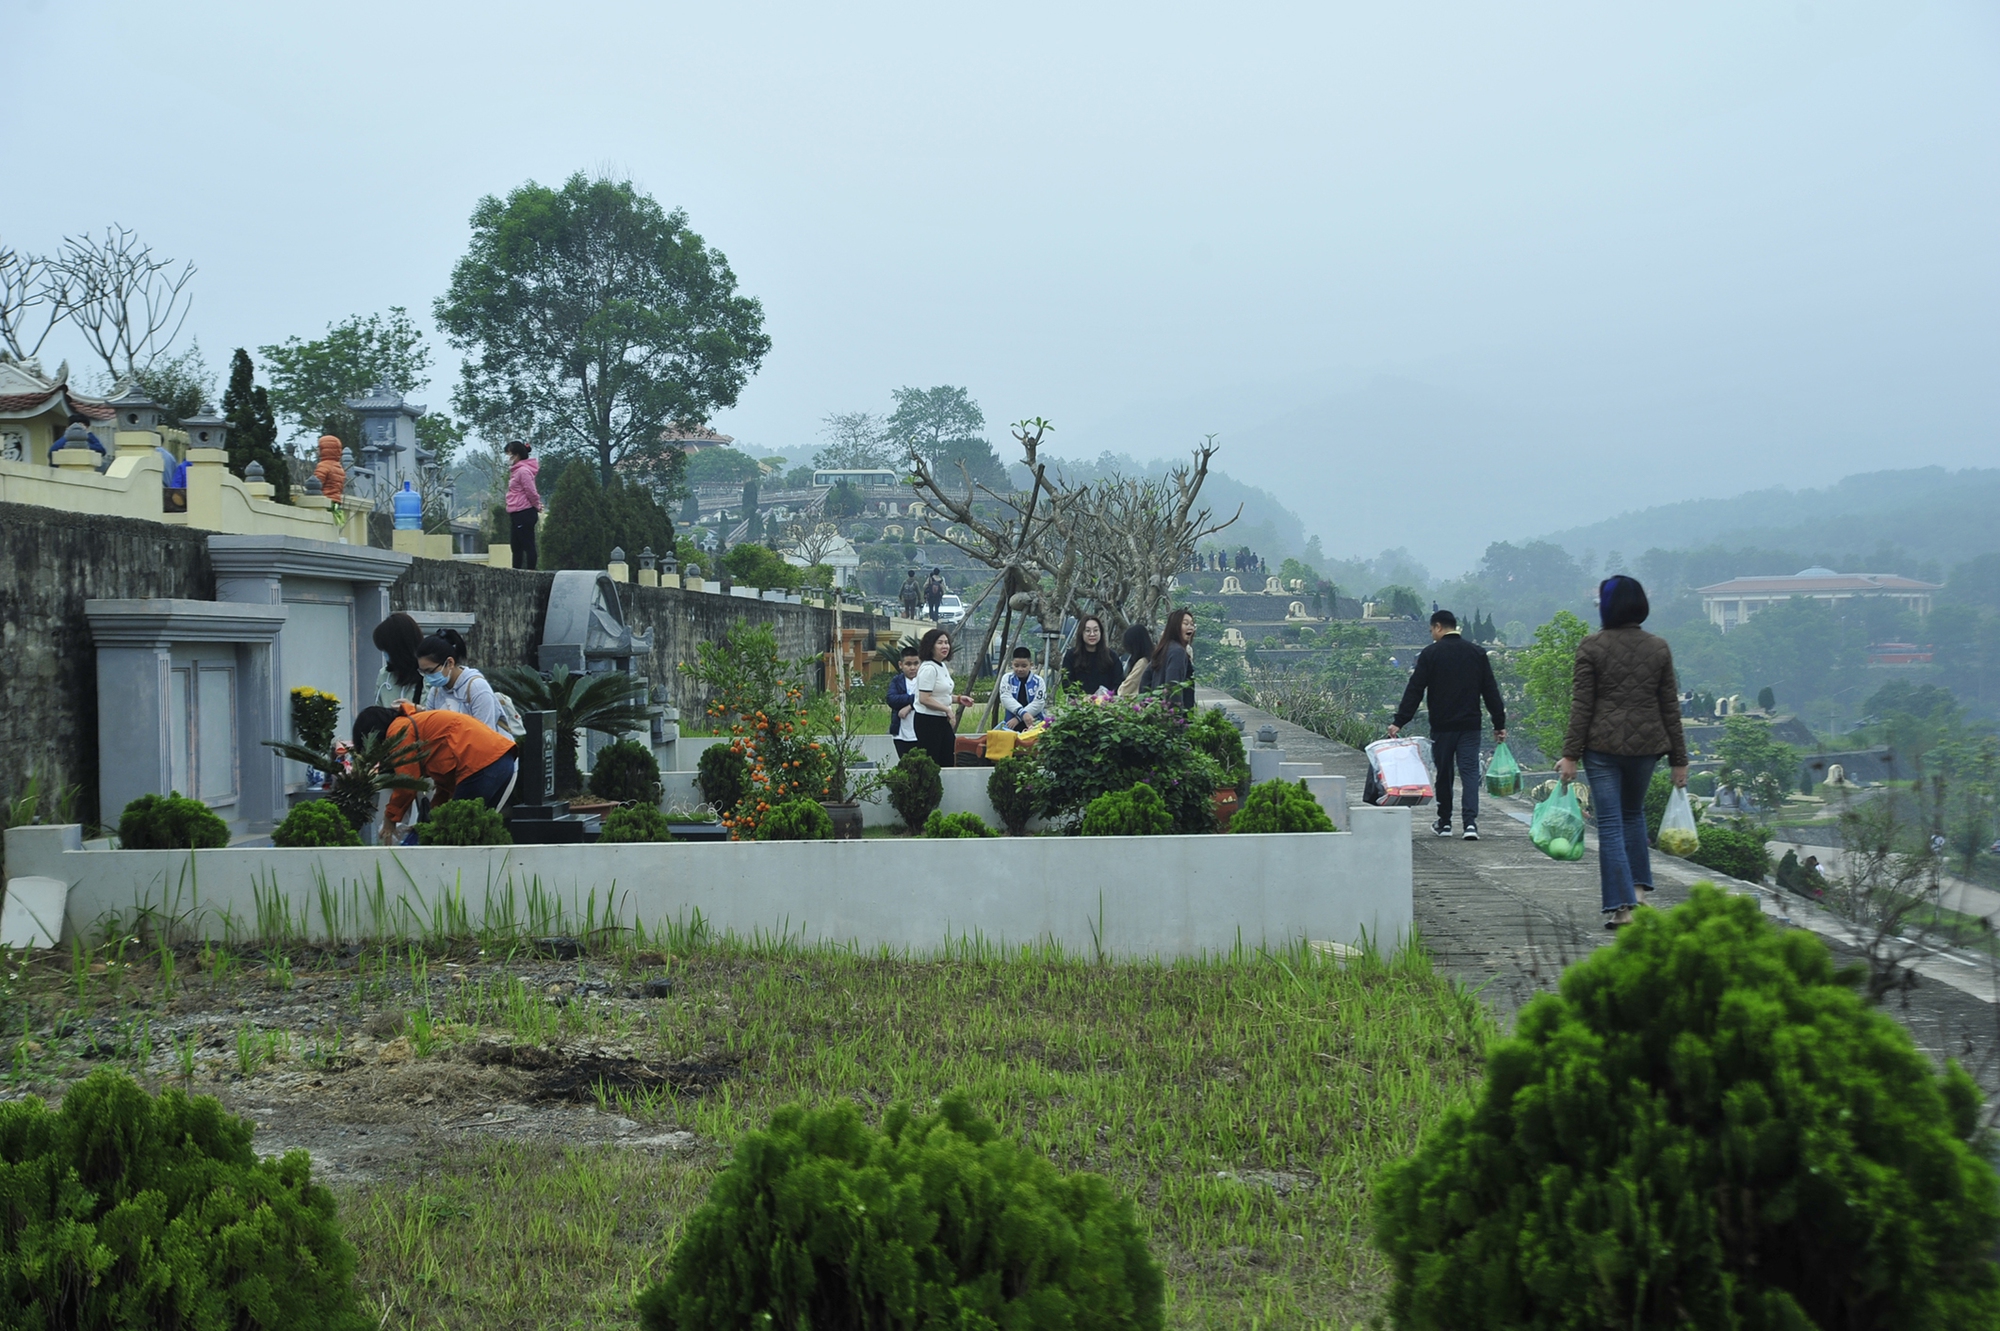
(1924, 516)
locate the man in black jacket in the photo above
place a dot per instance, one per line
(1457, 676)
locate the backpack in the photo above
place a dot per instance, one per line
(511, 725)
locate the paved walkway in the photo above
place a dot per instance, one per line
(1502, 917)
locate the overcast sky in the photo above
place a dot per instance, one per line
(1439, 273)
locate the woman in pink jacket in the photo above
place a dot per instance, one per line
(524, 504)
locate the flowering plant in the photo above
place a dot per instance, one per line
(760, 698)
(314, 716)
(1093, 749)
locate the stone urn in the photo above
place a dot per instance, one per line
(1226, 805)
(846, 819)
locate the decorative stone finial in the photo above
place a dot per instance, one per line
(254, 472)
(313, 485)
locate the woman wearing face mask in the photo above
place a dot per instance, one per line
(1091, 664)
(401, 679)
(452, 685)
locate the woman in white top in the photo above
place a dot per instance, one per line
(937, 715)
(454, 686)
(401, 679)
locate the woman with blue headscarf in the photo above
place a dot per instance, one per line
(1624, 715)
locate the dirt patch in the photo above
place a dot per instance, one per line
(588, 1076)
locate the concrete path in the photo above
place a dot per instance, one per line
(1500, 916)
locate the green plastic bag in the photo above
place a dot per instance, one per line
(1557, 829)
(1503, 774)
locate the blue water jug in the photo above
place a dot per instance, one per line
(409, 509)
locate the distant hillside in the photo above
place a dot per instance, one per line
(1929, 514)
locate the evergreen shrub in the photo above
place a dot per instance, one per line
(967, 824)
(1098, 748)
(915, 788)
(1013, 791)
(130, 1211)
(1280, 806)
(170, 822)
(638, 822)
(626, 771)
(315, 823)
(1136, 812)
(463, 823)
(821, 1221)
(723, 774)
(1706, 1127)
(1212, 733)
(1736, 851)
(796, 820)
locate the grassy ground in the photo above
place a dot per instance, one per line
(1243, 1104)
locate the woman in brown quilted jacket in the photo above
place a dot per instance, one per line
(1624, 714)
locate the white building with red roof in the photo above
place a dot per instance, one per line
(34, 410)
(1728, 604)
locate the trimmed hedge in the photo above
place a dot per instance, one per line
(130, 1211)
(1012, 789)
(638, 822)
(796, 820)
(315, 823)
(1734, 851)
(626, 771)
(1280, 806)
(723, 775)
(821, 1221)
(915, 788)
(1707, 1127)
(170, 822)
(967, 824)
(1136, 812)
(464, 823)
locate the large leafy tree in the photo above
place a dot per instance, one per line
(1548, 672)
(253, 428)
(311, 381)
(855, 439)
(932, 423)
(593, 319)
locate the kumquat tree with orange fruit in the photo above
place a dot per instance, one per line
(760, 698)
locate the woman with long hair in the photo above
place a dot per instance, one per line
(1090, 662)
(1172, 669)
(401, 679)
(453, 685)
(936, 715)
(1138, 660)
(1624, 713)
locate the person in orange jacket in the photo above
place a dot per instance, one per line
(463, 758)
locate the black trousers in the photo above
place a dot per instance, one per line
(903, 746)
(1460, 749)
(521, 531)
(935, 735)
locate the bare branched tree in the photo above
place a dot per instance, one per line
(814, 543)
(129, 305)
(30, 283)
(1109, 547)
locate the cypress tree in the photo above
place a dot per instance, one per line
(587, 519)
(253, 429)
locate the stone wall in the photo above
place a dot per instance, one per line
(510, 604)
(53, 562)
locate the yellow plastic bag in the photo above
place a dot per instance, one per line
(999, 744)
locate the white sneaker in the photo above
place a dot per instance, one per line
(1472, 831)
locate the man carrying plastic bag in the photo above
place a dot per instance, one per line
(1457, 676)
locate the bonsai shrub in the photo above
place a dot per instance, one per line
(1099, 749)
(315, 823)
(967, 824)
(1706, 1128)
(822, 1221)
(463, 823)
(169, 822)
(723, 774)
(1012, 788)
(628, 772)
(131, 1211)
(638, 822)
(1280, 806)
(1214, 736)
(1136, 812)
(1735, 851)
(915, 788)
(796, 820)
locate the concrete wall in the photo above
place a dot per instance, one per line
(1125, 896)
(510, 605)
(53, 562)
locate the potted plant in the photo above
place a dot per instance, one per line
(850, 776)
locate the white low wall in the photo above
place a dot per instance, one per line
(1122, 896)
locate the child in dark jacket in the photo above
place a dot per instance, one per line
(903, 703)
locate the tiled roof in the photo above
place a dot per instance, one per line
(698, 435)
(1818, 582)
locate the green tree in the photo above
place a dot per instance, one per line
(1395, 602)
(180, 383)
(842, 501)
(586, 520)
(594, 319)
(929, 422)
(720, 466)
(311, 381)
(1754, 763)
(1548, 673)
(855, 439)
(253, 430)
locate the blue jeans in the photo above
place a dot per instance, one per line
(488, 783)
(1618, 798)
(1464, 746)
